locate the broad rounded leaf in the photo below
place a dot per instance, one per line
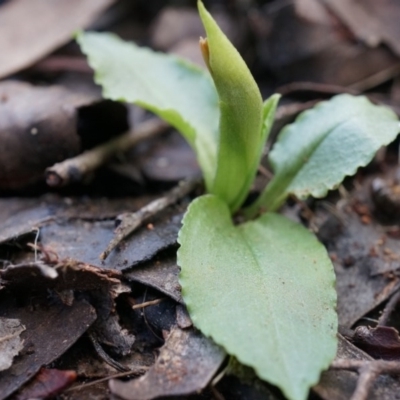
(176, 90)
(263, 290)
(240, 127)
(325, 144)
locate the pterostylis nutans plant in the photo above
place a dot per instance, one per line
(264, 290)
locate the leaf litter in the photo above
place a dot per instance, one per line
(10, 341)
(364, 281)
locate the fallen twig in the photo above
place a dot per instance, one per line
(376, 79)
(134, 372)
(314, 87)
(147, 303)
(387, 311)
(131, 221)
(104, 356)
(74, 169)
(368, 372)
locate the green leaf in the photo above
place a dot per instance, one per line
(263, 290)
(178, 91)
(241, 115)
(325, 144)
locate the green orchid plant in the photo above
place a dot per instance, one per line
(264, 290)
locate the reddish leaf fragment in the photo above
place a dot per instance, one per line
(380, 342)
(47, 383)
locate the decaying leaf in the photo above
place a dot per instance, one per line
(306, 41)
(50, 330)
(363, 254)
(186, 364)
(370, 21)
(10, 341)
(85, 240)
(22, 216)
(30, 30)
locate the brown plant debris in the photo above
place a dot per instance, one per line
(75, 169)
(25, 27)
(186, 364)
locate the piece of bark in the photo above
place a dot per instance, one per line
(51, 328)
(30, 30)
(186, 364)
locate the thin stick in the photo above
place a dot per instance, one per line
(387, 311)
(131, 221)
(376, 79)
(314, 87)
(76, 168)
(35, 246)
(368, 372)
(135, 372)
(104, 356)
(147, 303)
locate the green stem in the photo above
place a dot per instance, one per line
(271, 199)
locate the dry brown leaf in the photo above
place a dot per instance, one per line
(373, 22)
(31, 29)
(186, 363)
(10, 341)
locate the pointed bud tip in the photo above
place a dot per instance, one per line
(205, 51)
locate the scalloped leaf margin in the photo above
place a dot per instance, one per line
(263, 290)
(324, 145)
